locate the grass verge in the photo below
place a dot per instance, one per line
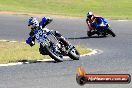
(14, 52)
(114, 9)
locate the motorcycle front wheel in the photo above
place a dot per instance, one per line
(74, 54)
(89, 34)
(56, 55)
(111, 33)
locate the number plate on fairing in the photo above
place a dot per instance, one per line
(40, 36)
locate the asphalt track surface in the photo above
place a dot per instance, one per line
(116, 56)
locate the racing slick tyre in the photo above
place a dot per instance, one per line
(57, 56)
(89, 34)
(74, 54)
(112, 33)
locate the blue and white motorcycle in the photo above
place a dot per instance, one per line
(55, 46)
(100, 27)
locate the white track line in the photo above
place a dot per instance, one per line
(94, 51)
(11, 64)
(122, 20)
(7, 41)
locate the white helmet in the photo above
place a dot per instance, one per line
(33, 21)
(90, 14)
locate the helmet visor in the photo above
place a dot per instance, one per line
(30, 26)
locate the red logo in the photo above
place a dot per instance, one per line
(82, 78)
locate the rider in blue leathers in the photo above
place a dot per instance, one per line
(34, 24)
(95, 23)
(99, 23)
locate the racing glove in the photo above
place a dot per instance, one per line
(30, 41)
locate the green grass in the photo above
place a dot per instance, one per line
(114, 9)
(13, 52)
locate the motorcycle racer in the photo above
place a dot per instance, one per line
(89, 20)
(95, 23)
(34, 24)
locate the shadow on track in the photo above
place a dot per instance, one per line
(37, 61)
(58, 62)
(86, 37)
